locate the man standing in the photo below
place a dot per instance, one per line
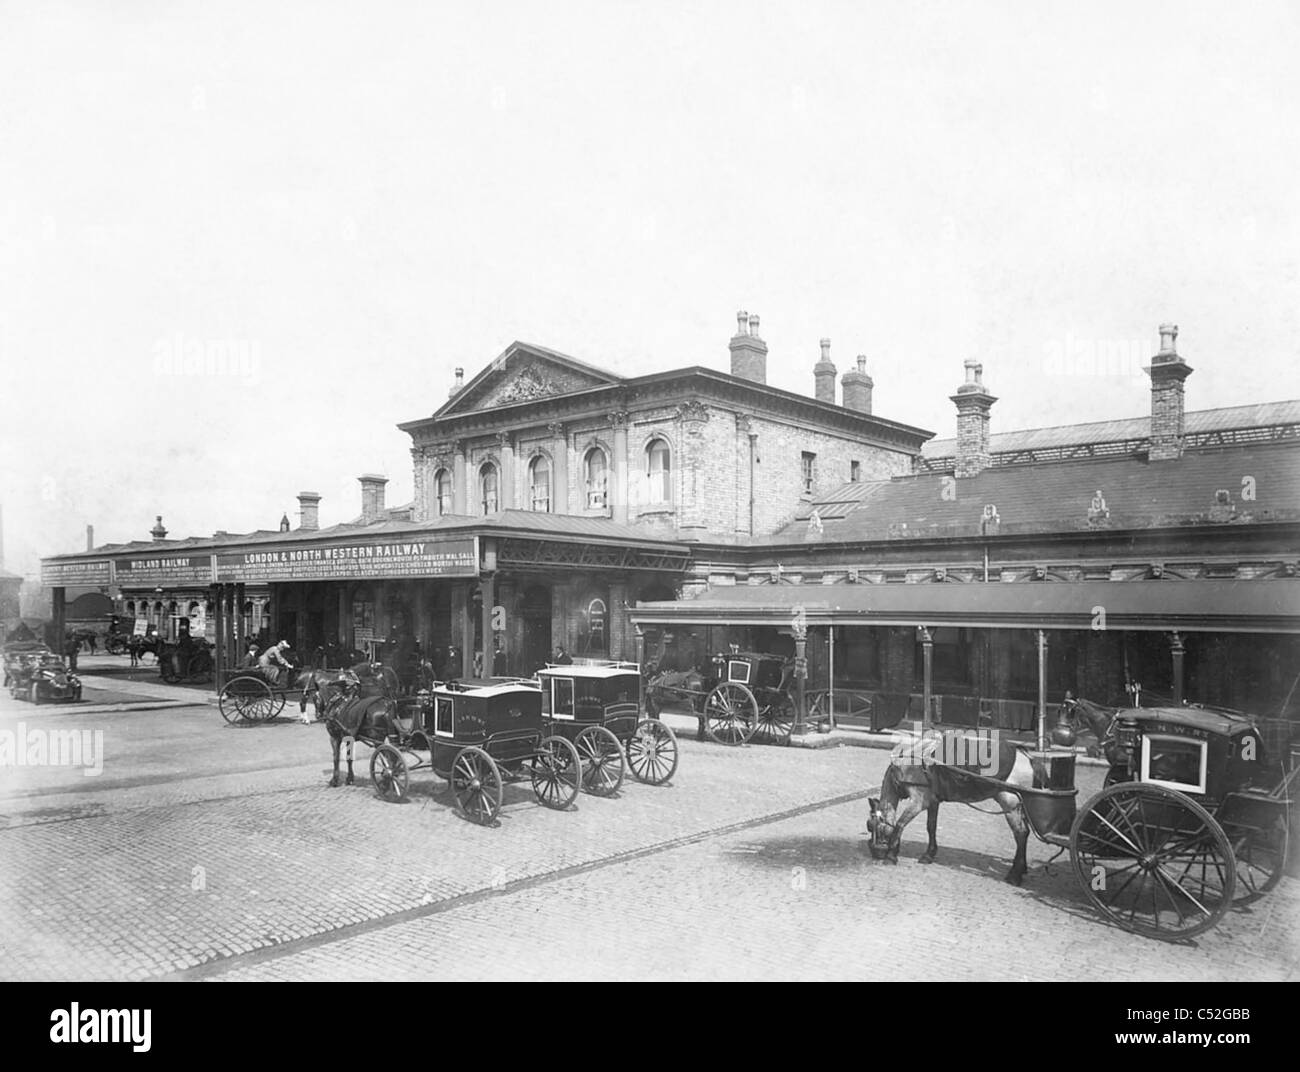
(71, 645)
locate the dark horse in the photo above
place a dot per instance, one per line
(916, 782)
(355, 708)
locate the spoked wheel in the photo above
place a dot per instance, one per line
(476, 781)
(776, 720)
(556, 771)
(388, 772)
(652, 752)
(246, 698)
(602, 761)
(1261, 855)
(1153, 861)
(731, 713)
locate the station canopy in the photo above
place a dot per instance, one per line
(1261, 606)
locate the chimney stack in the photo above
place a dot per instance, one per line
(308, 511)
(457, 384)
(824, 375)
(158, 532)
(857, 387)
(1167, 371)
(90, 537)
(372, 497)
(973, 404)
(748, 351)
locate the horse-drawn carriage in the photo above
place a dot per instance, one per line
(598, 708)
(186, 662)
(253, 694)
(478, 737)
(748, 695)
(1192, 819)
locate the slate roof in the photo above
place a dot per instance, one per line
(1054, 497)
(505, 522)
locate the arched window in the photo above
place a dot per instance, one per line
(130, 608)
(442, 492)
(488, 485)
(658, 468)
(596, 471)
(539, 479)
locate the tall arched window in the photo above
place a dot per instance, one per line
(488, 485)
(596, 471)
(596, 639)
(442, 492)
(539, 479)
(658, 467)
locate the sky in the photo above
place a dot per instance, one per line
(240, 242)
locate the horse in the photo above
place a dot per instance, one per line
(914, 782)
(1100, 721)
(357, 710)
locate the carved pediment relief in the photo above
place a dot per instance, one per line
(522, 375)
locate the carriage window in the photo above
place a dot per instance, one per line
(443, 717)
(738, 670)
(562, 695)
(1174, 762)
(658, 472)
(595, 471)
(488, 481)
(540, 481)
(442, 489)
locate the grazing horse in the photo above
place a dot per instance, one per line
(914, 782)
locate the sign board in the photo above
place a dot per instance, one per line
(353, 561)
(141, 627)
(76, 573)
(170, 571)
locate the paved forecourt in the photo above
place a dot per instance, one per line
(210, 851)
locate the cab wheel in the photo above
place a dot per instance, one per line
(34, 693)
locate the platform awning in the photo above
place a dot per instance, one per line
(1263, 606)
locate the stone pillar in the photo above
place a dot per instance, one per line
(508, 476)
(619, 464)
(1177, 649)
(559, 468)
(459, 478)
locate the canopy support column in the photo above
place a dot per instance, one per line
(1177, 648)
(927, 657)
(1042, 690)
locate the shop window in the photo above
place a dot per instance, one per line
(442, 492)
(808, 471)
(488, 485)
(539, 479)
(596, 471)
(658, 460)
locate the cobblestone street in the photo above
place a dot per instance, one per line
(209, 851)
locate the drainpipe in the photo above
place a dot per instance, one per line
(753, 439)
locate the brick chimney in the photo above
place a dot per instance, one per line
(973, 405)
(158, 532)
(824, 375)
(372, 497)
(748, 351)
(1167, 371)
(90, 537)
(457, 384)
(308, 511)
(857, 387)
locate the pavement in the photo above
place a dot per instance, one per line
(202, 850)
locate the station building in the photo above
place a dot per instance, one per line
(668, 515)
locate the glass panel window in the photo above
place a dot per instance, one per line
(808, 471)
(488, 479)
(540, 479)
(597, 475)
(442, 491)
(562, 697)
(658, 472)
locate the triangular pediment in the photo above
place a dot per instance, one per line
(523, 373)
